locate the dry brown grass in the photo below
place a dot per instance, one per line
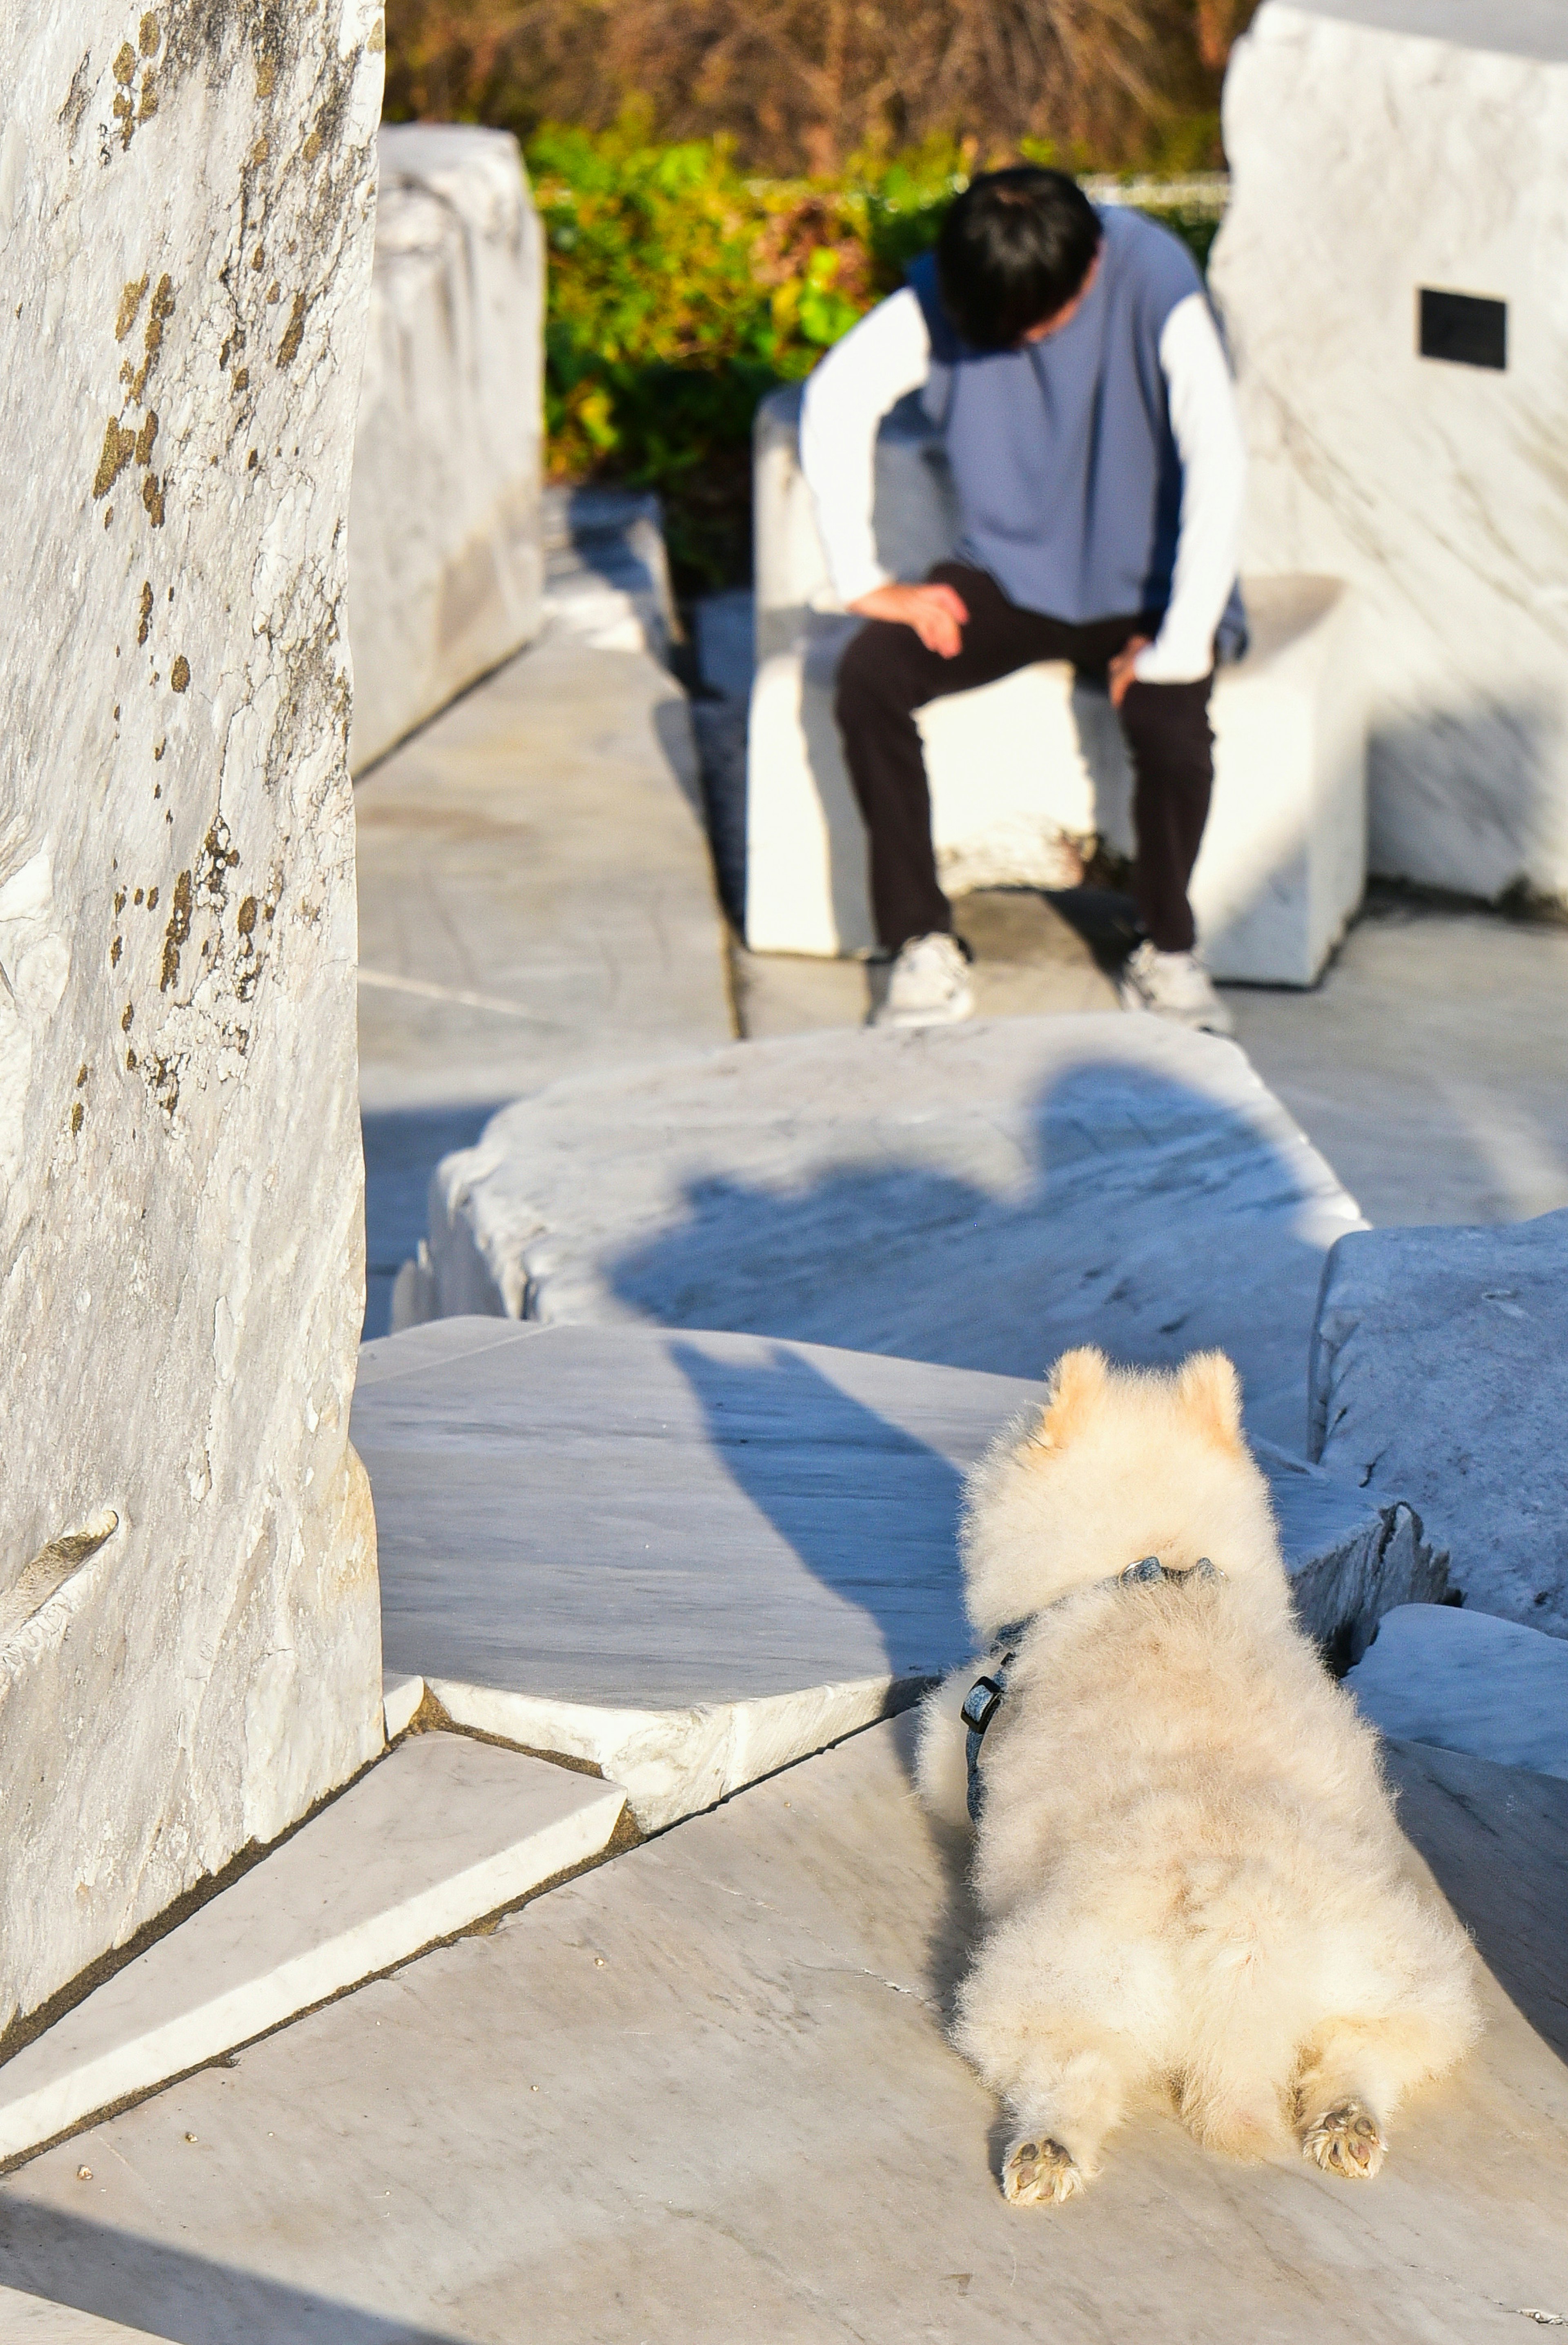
(801, 85)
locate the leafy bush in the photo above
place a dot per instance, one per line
(681, 291)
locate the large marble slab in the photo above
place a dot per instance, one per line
(704, 2091)
(689, 1559)
(446, 546)
(443, 1833)
(1468, 1681)
(984, 1196)
(188, 1626)
(1386, 154)
(1439, 1372)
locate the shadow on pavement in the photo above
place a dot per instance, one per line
(185, 2299)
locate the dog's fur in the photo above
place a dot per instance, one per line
(1187, 1859)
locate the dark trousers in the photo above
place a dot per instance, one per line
(887, 674)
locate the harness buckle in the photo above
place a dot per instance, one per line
(979, 1704)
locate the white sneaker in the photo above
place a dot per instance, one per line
(1173, 985)
(929, 986)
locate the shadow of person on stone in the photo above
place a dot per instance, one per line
(1142, 1215)
(876, 1518)
(877, 1523)
(185, 2298)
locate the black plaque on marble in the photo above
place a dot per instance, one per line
(1464, 329)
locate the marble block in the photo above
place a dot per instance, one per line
(445, 1832)
(1025, 771)
(446, 555)
(984, 1196)
(1468, 1681)
(1379, 149)
(691, 1560)
(190, 1650)
(1440, 1373)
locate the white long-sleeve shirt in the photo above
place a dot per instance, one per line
(888, 355)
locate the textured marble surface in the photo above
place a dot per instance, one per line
(36, 2320)
(189, 1620)
(446, 556)
(444, 1832)
(1377, 147)
(536, 893)
(690, 1560)
(1440, 1375)
(984, 1196)
(704, 2091)
(1468, 1682)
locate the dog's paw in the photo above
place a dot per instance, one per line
(1038, 2172)
(1347, 2141)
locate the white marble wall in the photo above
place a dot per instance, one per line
(1378, 146)
(446, 556)
(190, 1632)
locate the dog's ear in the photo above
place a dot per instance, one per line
(1209, 1390)
(1077, 1384)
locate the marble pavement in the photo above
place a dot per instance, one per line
(703, 2092)
(536, 894)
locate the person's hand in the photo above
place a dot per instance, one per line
(937, 614)
(1121, 670)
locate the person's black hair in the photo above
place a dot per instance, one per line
(1014, 250)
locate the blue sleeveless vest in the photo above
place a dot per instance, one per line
(1062, 458)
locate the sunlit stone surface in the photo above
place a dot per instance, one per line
(1378, 147)
(190, 1650)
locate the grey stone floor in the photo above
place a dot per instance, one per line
(702, 2093)
(535, 894)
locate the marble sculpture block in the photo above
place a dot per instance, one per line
(1439, 1374)
(447, 548)
(1023, 771)
(982, 1196)
(1400, 177)
(189, 1640)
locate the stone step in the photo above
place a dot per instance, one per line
(1468, 1682)
(690, 1560)
(441, 1833)
(984, 1196)
(1440, 1373)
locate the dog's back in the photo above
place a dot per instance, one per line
(1185, 1855)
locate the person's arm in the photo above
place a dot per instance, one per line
(1207, 432)
(847, 396)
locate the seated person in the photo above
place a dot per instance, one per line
(1071, 362)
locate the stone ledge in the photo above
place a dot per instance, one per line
(441, 1833)
(688, 1561)
(982, 1196)
(1468, 1681)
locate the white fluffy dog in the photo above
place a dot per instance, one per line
(1186, 1856)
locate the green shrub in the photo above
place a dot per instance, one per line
(681, 291)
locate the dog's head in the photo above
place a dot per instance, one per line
(1121, 1463)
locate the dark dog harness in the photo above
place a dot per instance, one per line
(985, 1697)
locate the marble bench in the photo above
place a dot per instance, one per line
(1026, 771)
